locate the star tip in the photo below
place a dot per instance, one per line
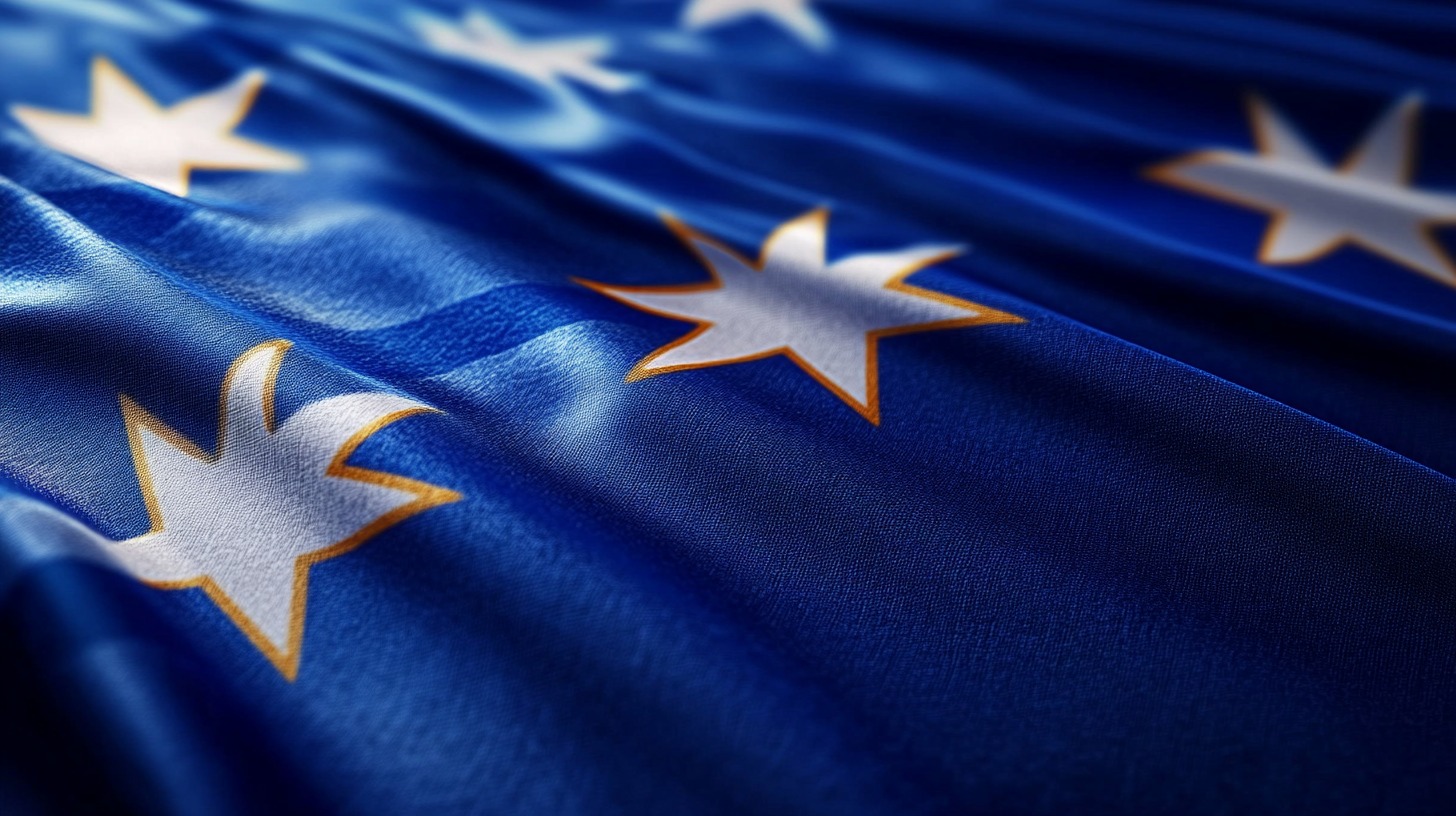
(129, 406)
(868, 409)
(677, 226)
(629, 82)
(1154, 170)
(596, 286)
(1273, 259)
(287, 663)
(1259, 108)
(1166, 172)
(289, 671)
(277, 345)
(640, 372)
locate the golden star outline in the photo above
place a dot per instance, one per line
(103, 69)
(870, 408)
(427, 496)
(1257, 110)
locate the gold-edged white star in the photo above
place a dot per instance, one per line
(130, 134)
(797, 17)
(483, 39)
(827, 318)
(1316, 208)
(247, 521)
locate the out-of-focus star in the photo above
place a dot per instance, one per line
(483, 39)
(797, 17)
(129, 133)
(826, 317)
(1315, 208)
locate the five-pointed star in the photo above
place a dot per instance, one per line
(484, 39)
(794, 16)
(246, 522)
(130, 134)
(1367, 200)
(827, 318)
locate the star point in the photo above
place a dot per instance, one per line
(247, 521)
(796, 17)
(483, 39)
(825, 317)
(130, 134)
(1314, 207)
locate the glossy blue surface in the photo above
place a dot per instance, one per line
(1182, 542)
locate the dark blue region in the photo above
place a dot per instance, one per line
(107, 712)
(1086, 566)
(1091, 603)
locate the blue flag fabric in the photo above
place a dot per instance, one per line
(727, 406)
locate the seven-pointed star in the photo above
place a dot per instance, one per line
(245, 523)
(794, 16)
(131, 135)
(483, 39)
(827, 318)
(1367, 200)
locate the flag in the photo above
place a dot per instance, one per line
(727, 406)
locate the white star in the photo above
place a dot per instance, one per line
(130, 134)
(794, 16)
(827, 318)
(245, 523)
(482, 39)
(1367, 200)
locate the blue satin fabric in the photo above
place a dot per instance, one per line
(1180, 542)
